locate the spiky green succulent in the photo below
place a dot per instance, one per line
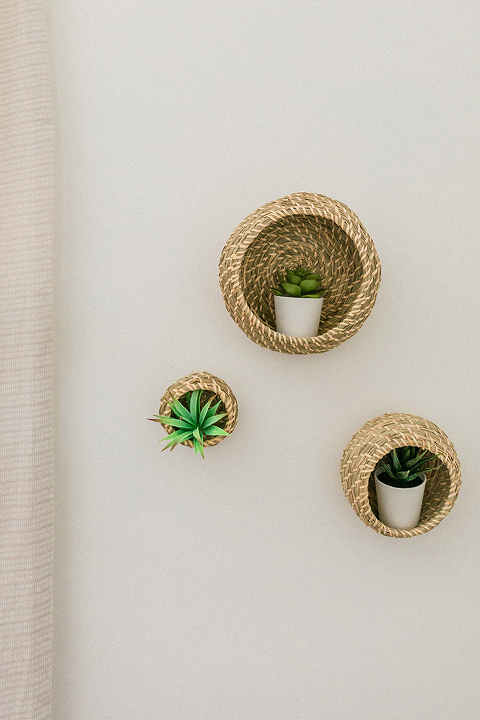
(194, 420)
(406, 464)
(299, 282)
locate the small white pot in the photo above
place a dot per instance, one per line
(298, 317)
(399, 508)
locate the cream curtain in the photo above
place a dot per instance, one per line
(26, 316)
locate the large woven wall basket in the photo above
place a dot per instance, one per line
(300, 229)
(211, 385)
(373, 441)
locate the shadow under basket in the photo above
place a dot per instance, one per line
(211, 385)
(375, 440)
(300, 229)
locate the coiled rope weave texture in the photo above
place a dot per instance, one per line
(213, 386)
(300, 229)
(373, 441)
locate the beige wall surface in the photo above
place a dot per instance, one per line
(243, 586)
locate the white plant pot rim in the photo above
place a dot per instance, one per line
(380, 471)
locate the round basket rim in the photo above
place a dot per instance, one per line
(202, 381)
(374, 440)
(301, 204)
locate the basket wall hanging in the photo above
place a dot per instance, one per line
(300, 229)
(211, 385)
(377, 438)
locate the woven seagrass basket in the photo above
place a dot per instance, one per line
(372, 442)
(300, 229)
(211, 385)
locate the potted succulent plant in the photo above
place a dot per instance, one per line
(400, 483)
(298, 303)
(194, 420)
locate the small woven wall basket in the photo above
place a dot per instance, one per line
(300, 229)
(212, 385)
(372, 442)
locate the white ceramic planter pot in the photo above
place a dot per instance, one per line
(298, 317)
(399, 508)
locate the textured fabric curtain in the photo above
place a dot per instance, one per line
(26, 315)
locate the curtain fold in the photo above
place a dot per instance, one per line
(26, 337)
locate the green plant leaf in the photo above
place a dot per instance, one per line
(417, 459)
(214, 409)
(198, 447)
(210, 420)
(194, 400)
(181, 410)
(386, 468)
(414, 476)
(176, 438)
(292, 278)
(204, 410)
(175, 422)
(174, 435)
(311, 296)
(198, 435)
(395, 461)
(293, 290)
(215, 430)
(276, 292)
(309, 286)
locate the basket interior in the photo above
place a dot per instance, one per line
(310, 241)
(437, 489)
(204, 398)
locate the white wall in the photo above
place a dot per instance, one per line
(244, 586)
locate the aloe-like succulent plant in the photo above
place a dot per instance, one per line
(193, 420)
(299, 282)
(406, 464)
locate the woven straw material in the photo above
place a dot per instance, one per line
(212, 385)
(373, 441)
(300, 229)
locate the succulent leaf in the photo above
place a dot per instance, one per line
(406, 464)
(204, 411)
(194, 404)
(181, 410)
(293, 290)
(211, 420)
(292, 278)
(175, 422)
(308, 286)
(299, 282)
(215, 430)
(193, 421)
(395, 461)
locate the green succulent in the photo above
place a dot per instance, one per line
(299, 282)
(195, 422)
(405, 465)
